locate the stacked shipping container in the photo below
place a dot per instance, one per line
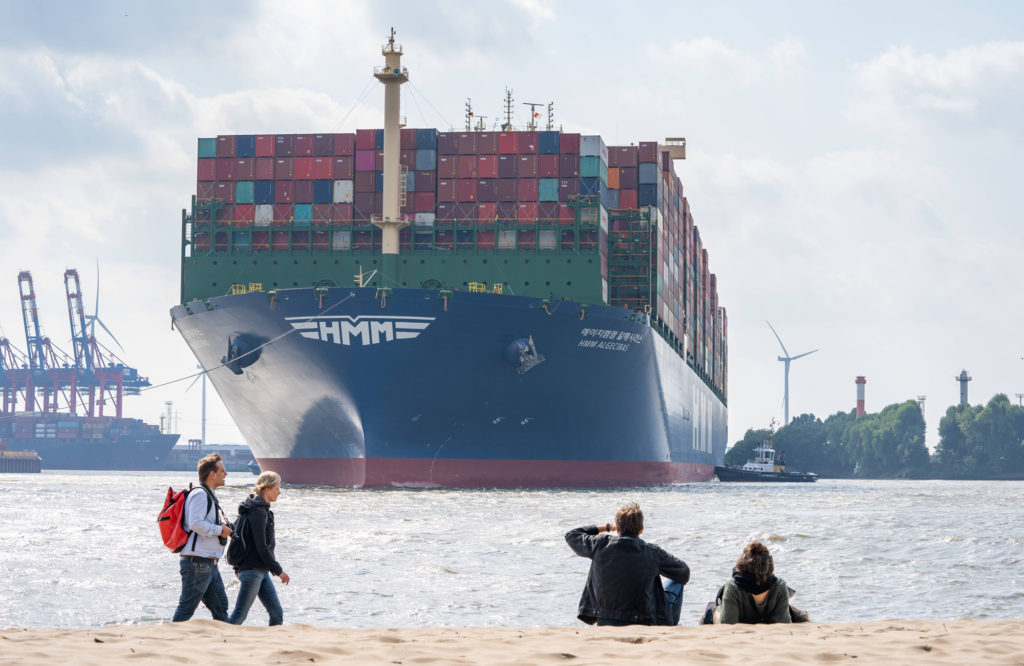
(476, 192)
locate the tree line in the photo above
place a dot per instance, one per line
(975, 442)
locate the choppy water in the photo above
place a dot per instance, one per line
(83, 550)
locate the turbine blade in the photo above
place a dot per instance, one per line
(777, 337)
(804, 354)
(109, 333)
(198, 377)
(96, 308)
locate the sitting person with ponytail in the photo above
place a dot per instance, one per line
(755, 594)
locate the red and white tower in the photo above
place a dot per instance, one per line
(861, 381)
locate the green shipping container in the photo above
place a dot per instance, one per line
(547, 189)
(244, 192)
(208, 147)
(590, 167)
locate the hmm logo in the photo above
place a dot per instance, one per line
(370, 330)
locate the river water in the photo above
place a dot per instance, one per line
(82, 549)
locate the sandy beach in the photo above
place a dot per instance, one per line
(881, 642)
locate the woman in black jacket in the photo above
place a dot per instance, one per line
(258, 563)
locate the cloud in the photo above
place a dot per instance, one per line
(710, 57)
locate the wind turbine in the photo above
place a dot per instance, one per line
(94, 318)
(786, 359)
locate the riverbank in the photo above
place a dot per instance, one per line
(879, 642)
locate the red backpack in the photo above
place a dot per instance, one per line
(171, 518)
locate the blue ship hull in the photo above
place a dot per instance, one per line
(342, 387)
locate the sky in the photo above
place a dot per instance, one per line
(853, 168)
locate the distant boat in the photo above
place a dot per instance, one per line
(254, 467)
(765, 467)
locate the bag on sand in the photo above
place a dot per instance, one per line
(171, 518)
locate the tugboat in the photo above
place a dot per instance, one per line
(764, 467)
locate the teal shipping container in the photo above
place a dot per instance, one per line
(244, 192)
(208, 147)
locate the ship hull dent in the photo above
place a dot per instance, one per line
(358, 391)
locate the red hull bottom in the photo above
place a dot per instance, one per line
(448, 473)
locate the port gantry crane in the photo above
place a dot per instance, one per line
(93, 377)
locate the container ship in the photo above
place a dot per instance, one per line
(53, 402)
(422, 308)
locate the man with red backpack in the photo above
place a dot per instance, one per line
(200, 577)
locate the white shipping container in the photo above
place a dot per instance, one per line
(264, 215)
(343, 191)
(593, 146)
(423, 219)
(507, 239)
(546, 239)
(342, 240)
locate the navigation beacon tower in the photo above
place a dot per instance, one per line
(861, 381)
(392, 75)
(963, 378)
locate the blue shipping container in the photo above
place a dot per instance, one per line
(264, 192)
(426, 139)
(208, 147)
(648, 195)
(245, 145)
(590, 187)
(609, 198)
(378, 183)
(380, 139)
(323, 191)
(426, 159)
(303, 213)
(410, 181)
(648, 174)
(548, 144)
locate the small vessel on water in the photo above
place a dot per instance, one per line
(19, 462)
(765, 466)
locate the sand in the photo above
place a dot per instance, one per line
(206, 641)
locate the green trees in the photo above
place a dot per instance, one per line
(981, 442)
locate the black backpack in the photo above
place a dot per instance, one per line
(236, 551)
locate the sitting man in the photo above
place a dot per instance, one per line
(624, 583)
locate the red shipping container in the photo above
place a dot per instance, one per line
(622, 156)
(284, 145)
(281, 240)
(566, 214)
(466, 211)
(466, 143)
(345, 144)
(627, 198)
(226, 215)
(508, 189)
(363, 206)
(468, 166)
(283, 193)
(507, 211)
(488, 166)
(446, 211)
(527, 239)
(447, 190)
(303, 145)
(426, 181)
(284, 168)
(224, 191)
(407, 158)
(547, 166)
(528, 189)
(527, 166)
(568, 187)
(568, 166)
(321, 240)
(485, 239)
(226, 145)
(341, 214)
(527, 142)
(244, 168)
(366, 139)
(466, 189)
(323, 168)
(321, 214)
(447, 143)
(569, 143)
(447, 166)
(225, 168)
(547, 212)
(323, 145)
(424, 202)
(264, 145)
(378, 162)
(302, 191)
(627, 178)
(647, 151)
(205, 190)
(527, 212)
(508, 143)
(407, 138)
(303, 168)
(365, 160)
(487, 143)
(261, 241)
(508, 166)
(488, 212)
(264, 168)
(487, 189)
(206, 169)
(344, 167)
(365, 181)
(220, 241)
(244, 213)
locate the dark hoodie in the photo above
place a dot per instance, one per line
(258, 534)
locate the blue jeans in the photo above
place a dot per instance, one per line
(201, 581)
(256, 582)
